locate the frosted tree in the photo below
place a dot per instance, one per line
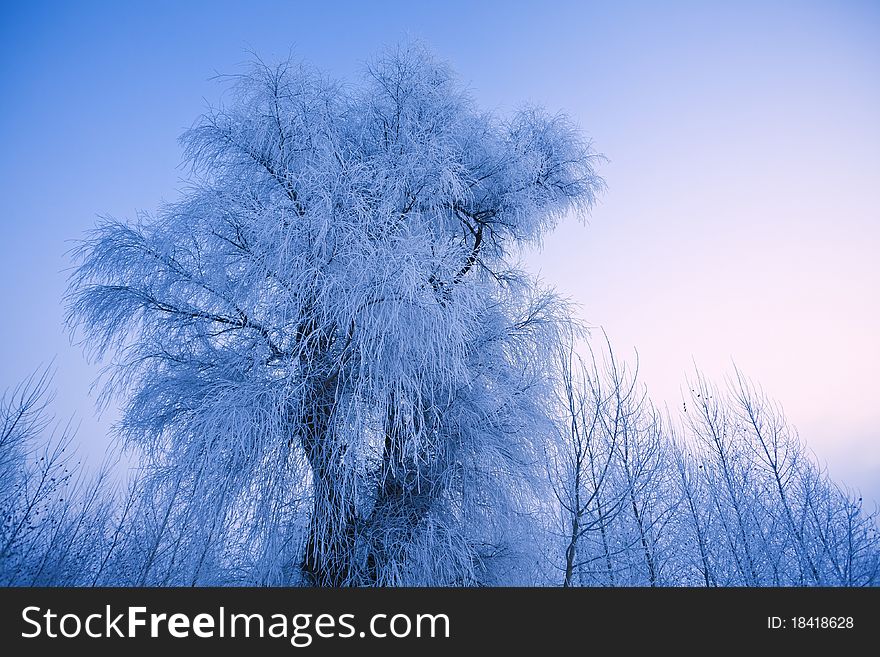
(327, 352)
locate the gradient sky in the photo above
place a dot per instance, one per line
(741, 220)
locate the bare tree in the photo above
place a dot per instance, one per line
(581, 463)
(610, 473)
(760, 511)
(54, 516)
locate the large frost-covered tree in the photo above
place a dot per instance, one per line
(326, 349)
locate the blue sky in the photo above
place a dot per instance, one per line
(740, 222)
